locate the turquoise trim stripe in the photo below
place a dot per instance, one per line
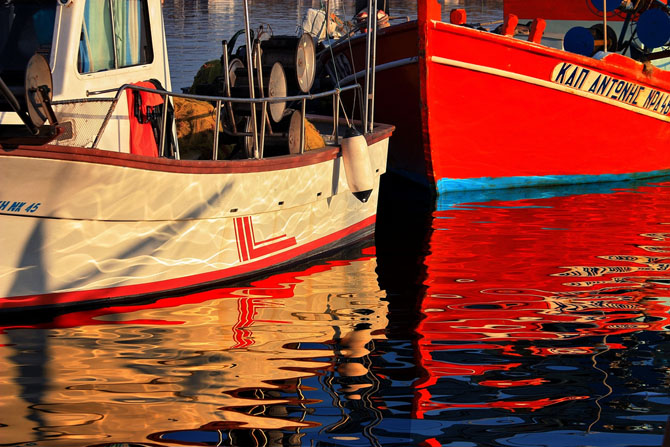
(462, 200)
(449, 185)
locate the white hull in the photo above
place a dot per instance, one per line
(108, 226)
(97, 206)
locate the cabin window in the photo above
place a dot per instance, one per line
(114, 34)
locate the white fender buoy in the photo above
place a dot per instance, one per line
(357, 165)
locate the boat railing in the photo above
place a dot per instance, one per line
(223, 101)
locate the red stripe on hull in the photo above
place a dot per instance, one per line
(250, 249)
(89, 296)
(241, 238)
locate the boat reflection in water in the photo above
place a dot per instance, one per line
(531, 317)
(548, 311)
(233, 366)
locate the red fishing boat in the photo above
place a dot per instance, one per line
(540, 104)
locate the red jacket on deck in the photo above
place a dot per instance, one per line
(142, 140)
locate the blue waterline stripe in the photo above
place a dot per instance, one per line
(473, 199)
(449, 185)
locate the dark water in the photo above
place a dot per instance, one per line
(535, 317)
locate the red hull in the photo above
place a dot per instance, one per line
(515, 121)
(397, 86)
(478, 110)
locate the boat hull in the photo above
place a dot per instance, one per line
(487, 111)
(88, 226)
(511, 116)
(397, 94)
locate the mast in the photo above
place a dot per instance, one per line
(372, 5)
(250, 74)
(605, 24)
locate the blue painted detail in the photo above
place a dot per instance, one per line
(32, 207)
(653, 28)
(610, 5)
(579, 40)
(446, 185)
(468, 199)
(16, 207)
(12, 206)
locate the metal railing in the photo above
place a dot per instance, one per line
(221, 101)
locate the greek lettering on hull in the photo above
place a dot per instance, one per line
(605, 86)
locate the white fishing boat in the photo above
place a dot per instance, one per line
(97, 199)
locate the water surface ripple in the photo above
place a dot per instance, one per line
(533, 317)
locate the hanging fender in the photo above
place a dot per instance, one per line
(357, 166)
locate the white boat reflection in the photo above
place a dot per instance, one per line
(225, 359)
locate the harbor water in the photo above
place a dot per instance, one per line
(528, 317)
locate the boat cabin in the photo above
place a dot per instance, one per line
(92, 48)
(90, 67)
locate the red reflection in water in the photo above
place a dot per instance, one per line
(502, 274)
(426, 404)
(244, 363)
(257, 294)
(511, 383)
